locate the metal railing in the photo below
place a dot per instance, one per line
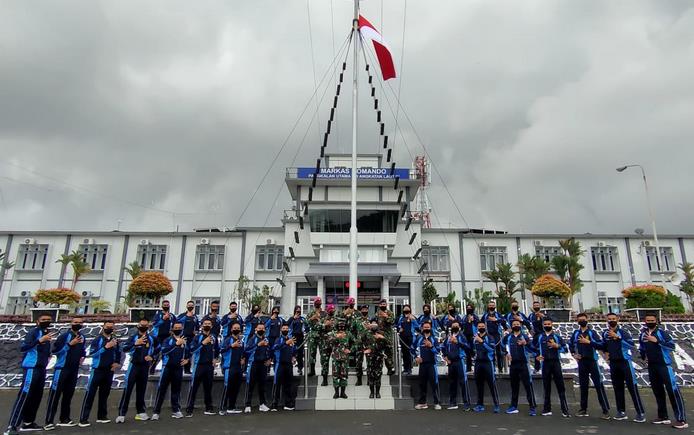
(397, 354)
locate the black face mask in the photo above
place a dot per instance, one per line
(260, 333)
(470, 310)
(166, 309)
(190, 308)
(108, 331)
(285, 333)
(215, 310)
(514, 308)
(235, 331)
(255, 310)
(351, 306)
(427, 312)
(482, 330)
(455, 329)
(177, 332)
(515, 328)
(364, 313)
(547, 328)
(316, 306)
(206, 328)
(582, 323)
(76, 327)
(142, 328)
(451, 311)
(612, 323)
(490, 309)
(44, 325)
(536, 309)
(383, 308)
(406, 312)
(651, 325)
(426, 331)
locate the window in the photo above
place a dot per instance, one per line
(490, 256)
(152, 257)
(605, 259)
(202, 305)
(32, 257)
(19, 305)
(210, 257)
(269, 257)
(666, 262)
(547, 252)
(341, 255)
(437, 258)
(85, 305)
(368, 221)
(94, 255)
(612, 304)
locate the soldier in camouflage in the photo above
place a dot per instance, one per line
(386, 320)
(360, 327)
(315, 317)
(374, 345)
(339, 342)
(325, 327)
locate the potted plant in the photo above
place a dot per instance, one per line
(145, 293)
(54, 301)
(643, 299)
(550, 289)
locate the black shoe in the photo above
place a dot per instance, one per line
(337, 393)
(30, 427)
(371, 388)
(358, 381)
(391, 372)
(343, 395)
(325, 381)
(312, 372)
(378, 391)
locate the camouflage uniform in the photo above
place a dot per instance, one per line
(374, 359)
(358, 331)
(325, 327)
(339, 342)
(313, 337)
(385, 324)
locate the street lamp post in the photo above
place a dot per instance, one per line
(659, 262)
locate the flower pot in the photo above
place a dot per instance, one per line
(139, 313)
(558, 314)
(640, 313)
(54, 312)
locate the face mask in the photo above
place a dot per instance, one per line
(451, 311)
(547, 328)
(383, 308)
(514, 308)
(232, 309)
(515, 328)
(76, 327)
(275, 313)
(177, 332)
(405, 312)
(351, 306)
(582, 323)
(490, 309)
(364, 313)
(108, 331)
(316, 306)
(536, 309)
(612, 323)
(142, 328)
(651, 325)
(426, 331)
(44, 325)
(190, 308)
(235, 331)
(285, 333)
(455, 329)
(470, 310)
(254, 310)
(215, 310)
(166, 309)
(298, 313)
(482, 330)
(427, 312)
(260, 333)
(206, 328)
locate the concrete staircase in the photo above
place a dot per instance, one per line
(358, 397)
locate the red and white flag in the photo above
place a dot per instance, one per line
(385, 59)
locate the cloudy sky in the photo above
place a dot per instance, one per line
(156, 114)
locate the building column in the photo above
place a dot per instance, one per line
(321, 289)
(288, 299)
(385, 288)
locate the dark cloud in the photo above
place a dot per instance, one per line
(526, 108)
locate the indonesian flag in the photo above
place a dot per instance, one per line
(385, 59)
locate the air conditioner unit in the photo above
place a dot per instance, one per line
(24, 293)
(602, 294)
(537, 242)
(482, 244)
(29, 241)
(270, 241)
(646, 243)
(601, 244)
(204, 241)
(88, 242)
(86, 294)
(144, 242)
(425, 243)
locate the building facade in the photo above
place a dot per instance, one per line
(308, 254)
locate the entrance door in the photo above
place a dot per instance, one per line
(395, 304)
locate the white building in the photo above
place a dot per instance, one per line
(309, 252)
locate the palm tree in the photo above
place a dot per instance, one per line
(687, 284)
(4, 264)
(133, 269)
(493, 276)
(530, 268)
(80, 267)
(65, 260)
(568, 265)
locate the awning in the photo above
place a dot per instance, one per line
(364, 271)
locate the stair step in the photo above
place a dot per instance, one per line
(353, 404)
(352, 392)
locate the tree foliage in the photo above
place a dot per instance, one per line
(429, 292)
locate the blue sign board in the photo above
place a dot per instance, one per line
(346, 173)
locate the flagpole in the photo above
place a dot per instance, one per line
(353, 207)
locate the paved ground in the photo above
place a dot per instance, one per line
(368, 422)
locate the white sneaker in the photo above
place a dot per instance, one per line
(142, 417)
(263, 408)
(155, 417)
(247, 410)
(177, 414)
(104, 420)
(234, 411)
(288, 408)
(437, 407)
(209, 412)
(421, 406)
(222, 412)
(119, 419)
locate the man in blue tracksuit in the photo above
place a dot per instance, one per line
(69, 351)
(584, 343)
(427, 316)
(496, 325)
(425, 349)
(258, 358)
(162, 322)
(174, 355)
(485, 349)
(191, 325)
(549, 346)
(273, 325)
(105, 353)
(536, 318)
(142, 347)
(230, 319)
(407, 326)
(454, 350)
(469, 330)
(251, 321)
(519, 351)
(36, 348)
(298, 328)
(656, 347)
(284, 349)
(618, 347)
(213, 317)
(232, 352)
(516, 314)
(203, 350)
